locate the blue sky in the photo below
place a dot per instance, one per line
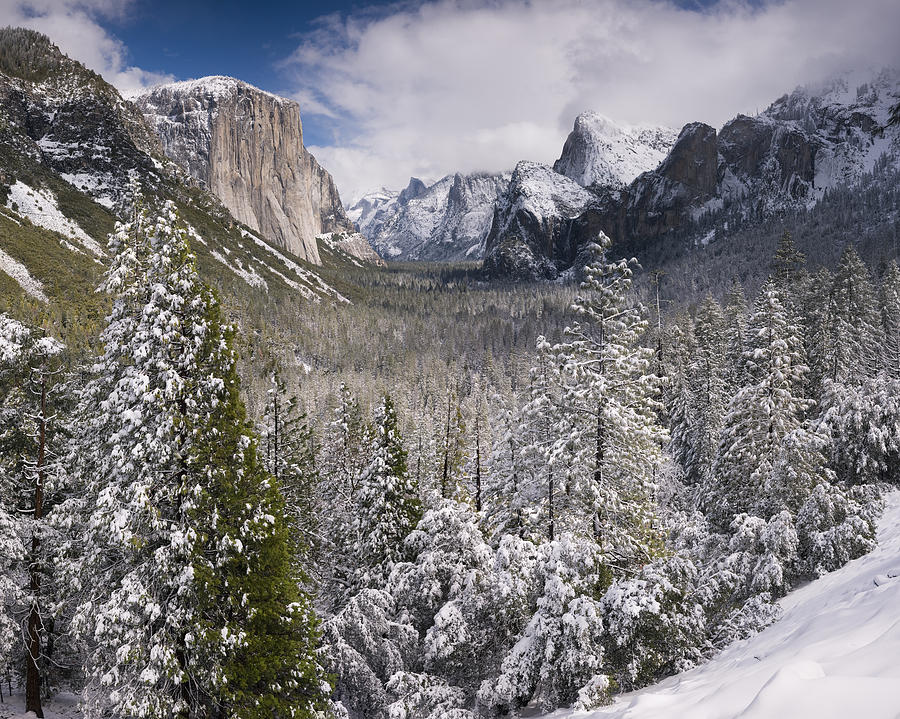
(429, 87)
(247, 40)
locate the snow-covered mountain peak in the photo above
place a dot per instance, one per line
(600, 151)
(447, 220)
(213, 87)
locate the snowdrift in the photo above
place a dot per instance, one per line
(832, 654)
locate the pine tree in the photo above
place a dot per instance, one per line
(387, 503)
(890, 320)
(610, 398)
(34, 395)
(708, 387)
(735, 312)
(764, 444)
(854, 337)
(290, 456)
(179, 552)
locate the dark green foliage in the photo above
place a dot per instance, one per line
(28, 54)
(275, 671)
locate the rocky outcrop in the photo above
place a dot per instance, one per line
(602, 153)
(447, 221)
(540, 225)
(352, 244)
(784, 159)
(246, 146)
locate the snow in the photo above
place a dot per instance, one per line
(249, 274)
(311, 278)
(440, 222)
(213, 86)
(100, 186)
(64, 705)
(20, 274)
(600, 151)
(831, 655)
(41, 208)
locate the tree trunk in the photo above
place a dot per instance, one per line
(477, 463)
(32, 670)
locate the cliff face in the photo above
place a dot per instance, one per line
(246, 145)
(601, 152)
(447, 221)
(754, 168)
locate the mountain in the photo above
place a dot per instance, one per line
(711, 183)
(452, 219)
(447, 221)
(532, 223)
(601, 152)
(70, 146)
(246, 146)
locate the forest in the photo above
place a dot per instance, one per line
(455, 499)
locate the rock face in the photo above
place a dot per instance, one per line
(246, 146)
(540, 224)
(447, 221)
(601, 152)
(786, 158)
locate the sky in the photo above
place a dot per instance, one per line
(429, 87)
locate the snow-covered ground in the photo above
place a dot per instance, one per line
(62, 706)
(40, 207)
(833, 654)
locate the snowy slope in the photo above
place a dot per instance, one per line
(601, 152)
(833, 654)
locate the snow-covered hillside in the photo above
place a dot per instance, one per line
(832, 654)
(601, 152)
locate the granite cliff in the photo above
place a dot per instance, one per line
(246, 146)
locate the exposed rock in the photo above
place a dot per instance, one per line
(354, 245)
(601, 152)
(447, 221)
(540, 224)
(246, 146)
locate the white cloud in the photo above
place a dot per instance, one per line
(429, 88)
(73, 25)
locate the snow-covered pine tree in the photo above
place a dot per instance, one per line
(735, 311)
(505, 501)
(34, 395)
(854, 338)
(889, 300)
(610, 396)
(289, 454)
(13, 572)
(342, 459)
(767, 460)
(542, 488)
(708, 387)
(178, 552)
(387, 506)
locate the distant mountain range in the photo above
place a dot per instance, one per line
(641, 185)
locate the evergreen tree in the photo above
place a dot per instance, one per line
(890, 320)
(854, 337)
(609, 397)
(735, 312)
(764, 444)
(179, 552)
(387, 505)
(290, 456)
(34, 394)
(708, 388)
